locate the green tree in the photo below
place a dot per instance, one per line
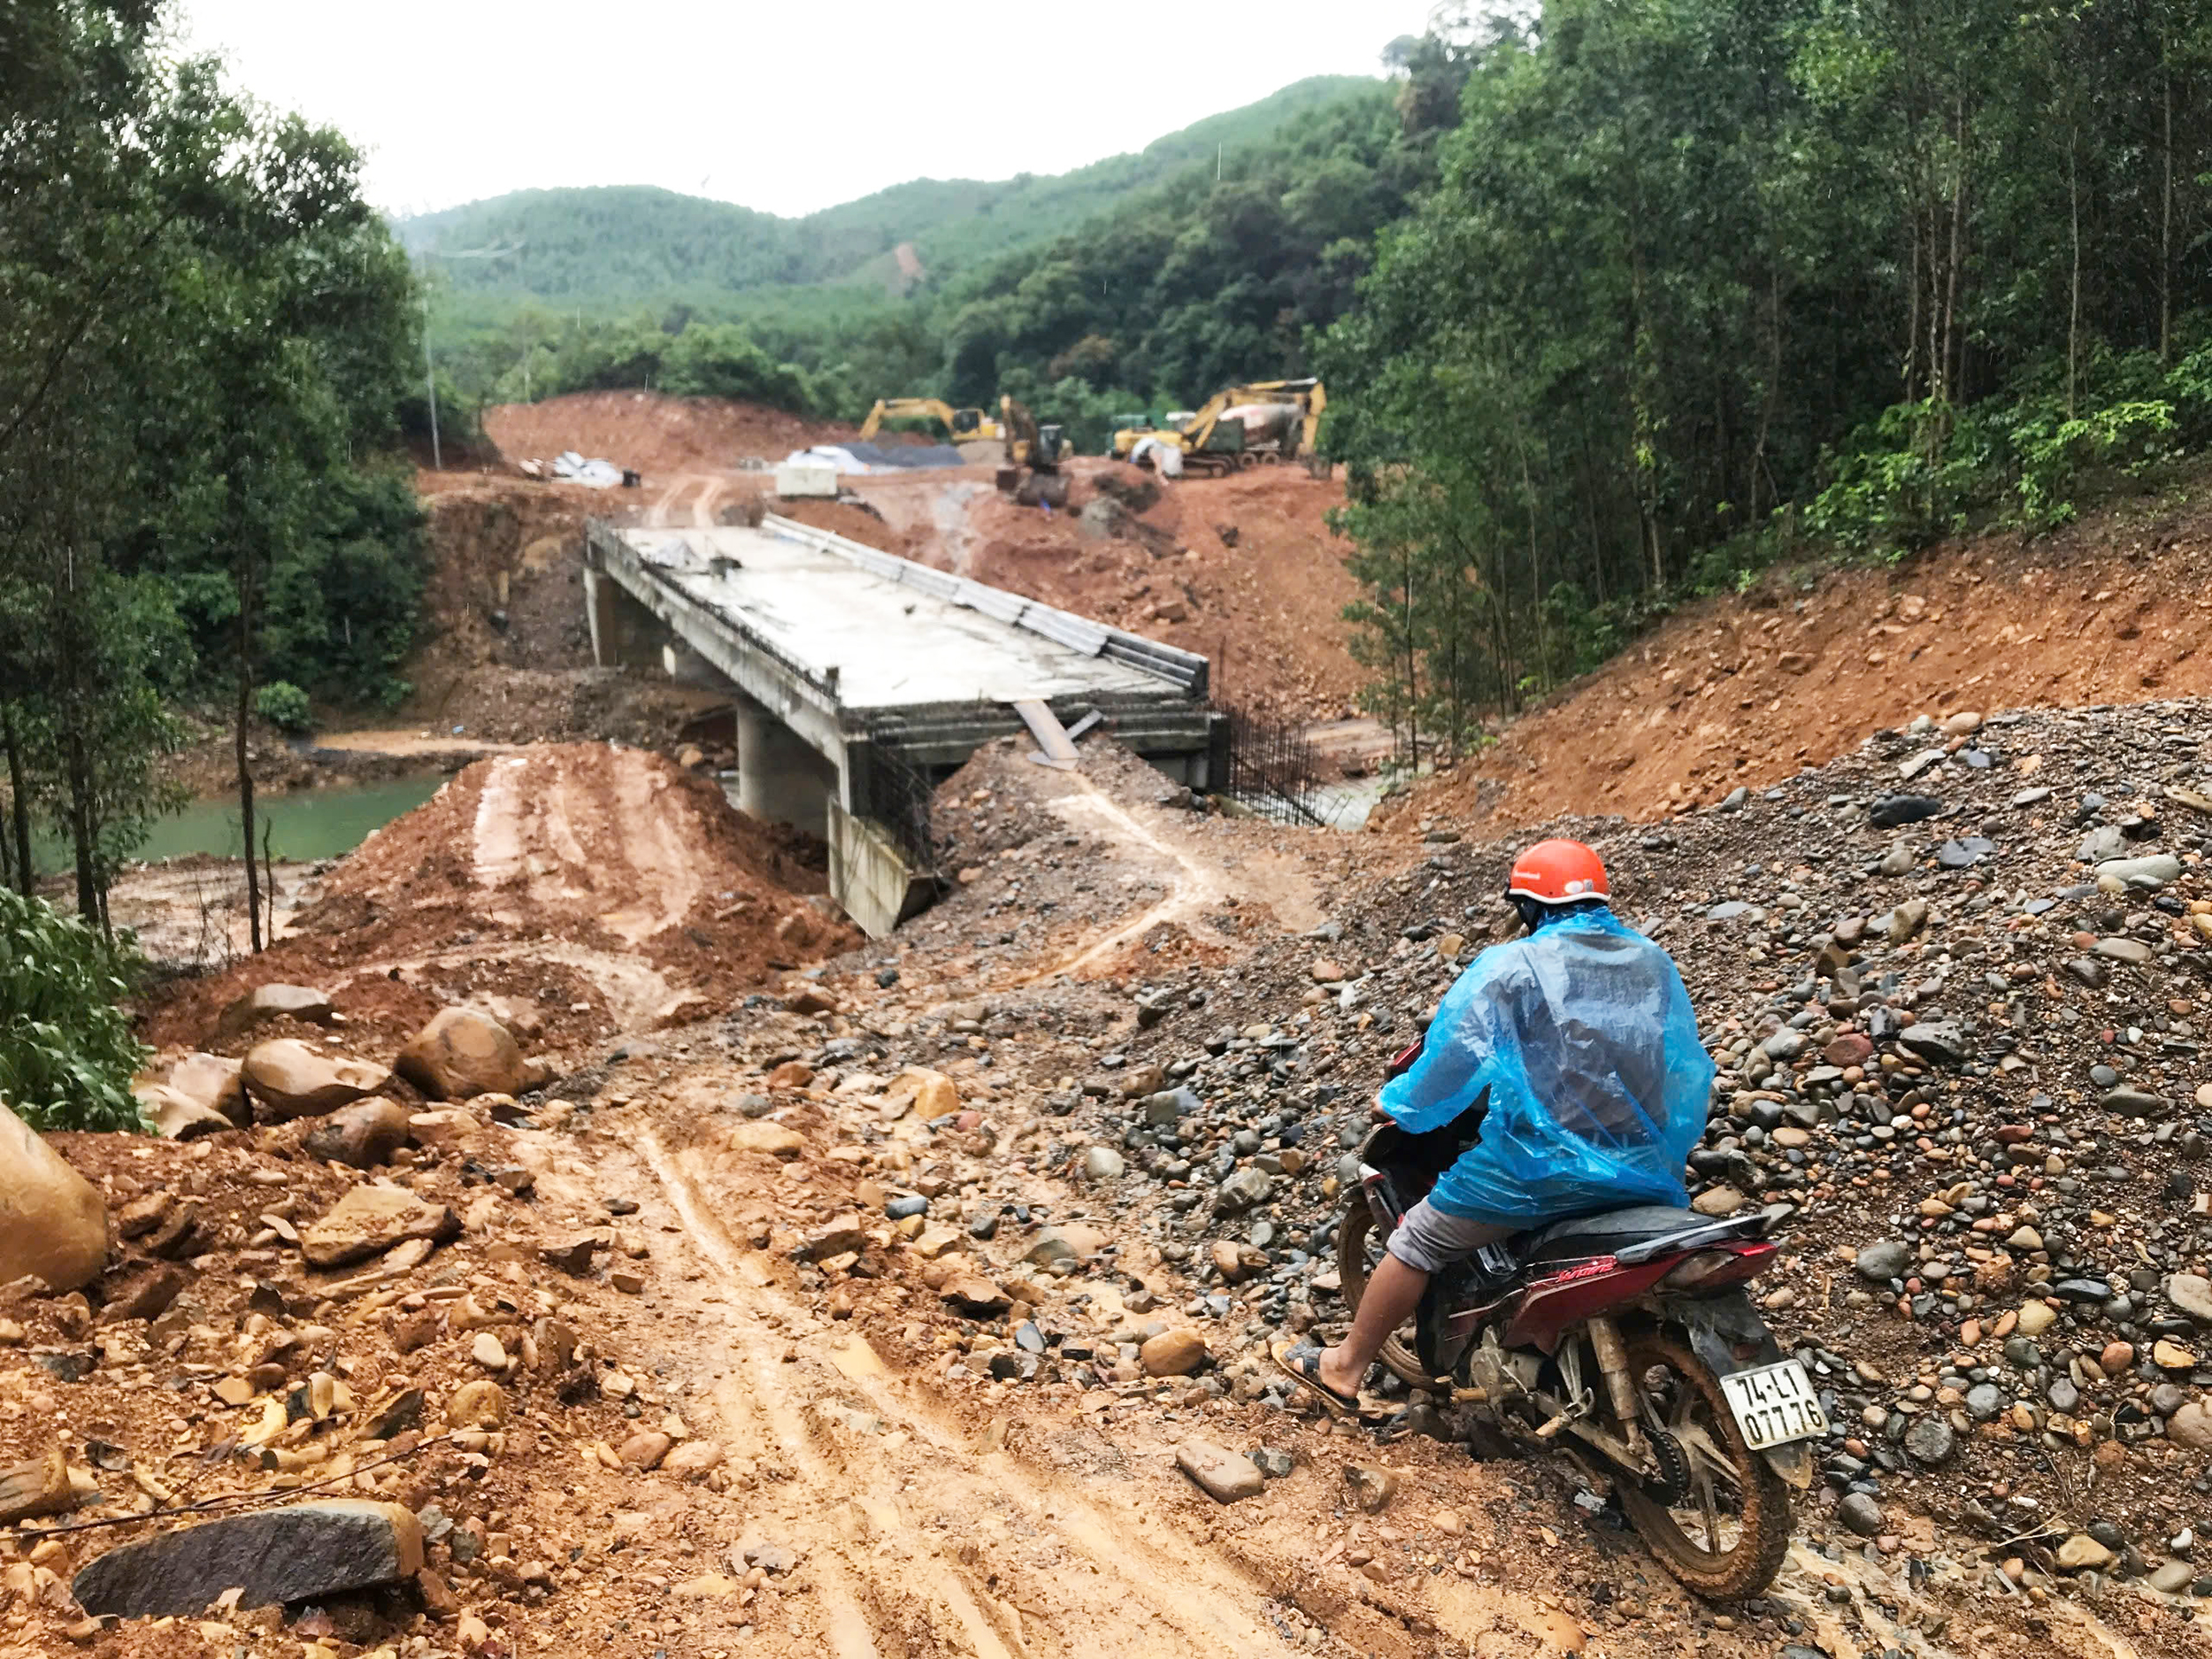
(206, 335)
(1696, 277)
(66, 1053)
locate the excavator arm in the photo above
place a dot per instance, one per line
(1199, 429)
(1316, 400)
(962, 426)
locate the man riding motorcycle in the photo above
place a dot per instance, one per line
(1578, 1045)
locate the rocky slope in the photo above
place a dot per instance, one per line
(1803, 667)
(1955, 985)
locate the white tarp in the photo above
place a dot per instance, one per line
(835, 457)
(596, 473)
(864, 458)
(1165, 457)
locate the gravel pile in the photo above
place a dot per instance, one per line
(1956, 987)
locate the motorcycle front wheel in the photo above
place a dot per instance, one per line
(1359, 1248)
(1725, 1535)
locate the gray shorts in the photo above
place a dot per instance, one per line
(1430, 1241)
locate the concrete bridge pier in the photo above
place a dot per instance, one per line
(624, 632)
(780, 775)
(857, 678)
(687, 668)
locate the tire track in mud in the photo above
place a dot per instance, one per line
(1192, 886)
(1147, 1594)
(710, 493)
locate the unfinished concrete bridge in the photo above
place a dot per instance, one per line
(861, 681)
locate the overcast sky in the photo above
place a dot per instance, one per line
(788, 107)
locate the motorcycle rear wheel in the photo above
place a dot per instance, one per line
(1726, 1538)
(1357, 1251)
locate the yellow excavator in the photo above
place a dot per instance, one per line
(1277, 421)
(965, 426)
(1034, 453)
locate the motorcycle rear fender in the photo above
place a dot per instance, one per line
(1794, 1462)
(1717, 1327)
(1563, 1299)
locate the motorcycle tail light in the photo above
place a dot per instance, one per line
(1703, 1268)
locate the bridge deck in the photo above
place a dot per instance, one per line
(892, 644)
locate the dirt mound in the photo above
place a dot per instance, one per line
(855, 524)
(607, 885)
(655, 434)
(1743, 691)
(496, 704)
(506, 575)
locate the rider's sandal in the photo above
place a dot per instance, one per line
(1302, 1363)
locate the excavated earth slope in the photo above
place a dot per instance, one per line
(1743, 691)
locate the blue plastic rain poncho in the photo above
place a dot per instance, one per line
(1584, 1037)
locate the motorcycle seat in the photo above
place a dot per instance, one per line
(1633, 1234)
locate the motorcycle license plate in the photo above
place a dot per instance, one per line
(1774, 1405)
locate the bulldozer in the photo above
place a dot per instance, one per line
(1032, 473)
(963, 426)
(1261, 422)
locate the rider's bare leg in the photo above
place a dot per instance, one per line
(1388, 1301)
(1395, 1291)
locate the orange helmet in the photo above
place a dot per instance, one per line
(1558, 872)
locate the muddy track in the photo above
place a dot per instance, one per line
(1193, 885)
(1086, 1577)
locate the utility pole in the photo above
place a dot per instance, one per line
(429, 369)
(430, 385)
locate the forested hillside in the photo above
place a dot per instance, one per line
(1198, 282)
(1208, 257)
(610, 246)
(1704, 284)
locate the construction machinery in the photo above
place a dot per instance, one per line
(1034, 453)
(965, 426)
(1259, 423)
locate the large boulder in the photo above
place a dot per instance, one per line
(363, 1134)
(288, 1079)
(176, 1115)
(53, 1222)
(214, 1082)
(462, 1054)
(273, 1001)
(200, 1094)
(369, 1220)
(289, 1555)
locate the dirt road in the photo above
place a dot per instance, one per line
(833, 1317)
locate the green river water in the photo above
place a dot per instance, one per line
(302, 827)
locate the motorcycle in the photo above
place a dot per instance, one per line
(1625, 1339)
